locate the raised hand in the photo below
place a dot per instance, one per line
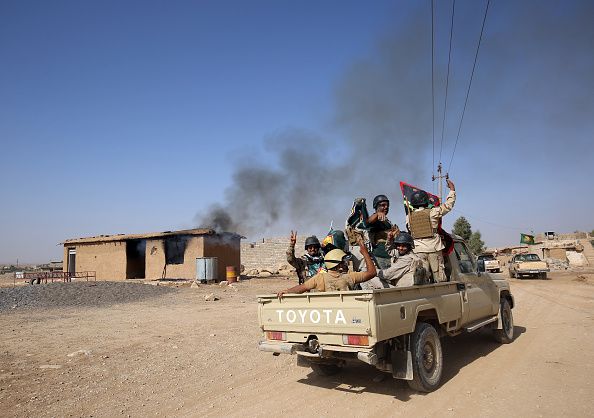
(450, 185)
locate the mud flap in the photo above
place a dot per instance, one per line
(402, 365)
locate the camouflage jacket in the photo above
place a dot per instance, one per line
(305, 266)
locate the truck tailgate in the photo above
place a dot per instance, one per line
(328, 315)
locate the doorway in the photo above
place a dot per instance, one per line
(135, 259)
(71, 262)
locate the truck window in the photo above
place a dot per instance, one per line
(465, 259)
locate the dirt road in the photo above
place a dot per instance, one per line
(176, 354)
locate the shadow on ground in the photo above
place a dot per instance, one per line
(458, 352)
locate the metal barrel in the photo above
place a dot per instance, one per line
(206, 269)
(231, 274)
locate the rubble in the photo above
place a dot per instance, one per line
(77, 294)
(556, 264)
(576, 259)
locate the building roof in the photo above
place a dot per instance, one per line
(125, 237)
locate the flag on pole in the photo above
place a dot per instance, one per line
(527, 239)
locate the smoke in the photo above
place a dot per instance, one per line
(219, 219)
(382, 115)
(529, 64)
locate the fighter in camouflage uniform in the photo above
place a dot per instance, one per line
(310, 263)
(422, 222)
(379, 226)
(337, 277)
(407, 267)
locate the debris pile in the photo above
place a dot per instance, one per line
(76, 294)
(556, 264)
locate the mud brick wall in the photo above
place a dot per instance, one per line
(268, 253)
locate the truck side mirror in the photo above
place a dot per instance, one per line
(480, 266)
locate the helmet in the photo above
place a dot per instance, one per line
(313, 240)
(334, 258)
(378, 199)
(405, 238)
(419, 199)
(334, 239)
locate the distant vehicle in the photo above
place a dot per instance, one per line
(528, 265)
(491, 263)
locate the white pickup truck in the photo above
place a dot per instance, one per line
(491, 263)
(396, 330)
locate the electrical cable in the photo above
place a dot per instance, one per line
(445, 106)
(469, 85)
(489, 222)
(433, 85)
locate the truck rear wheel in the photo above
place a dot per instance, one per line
(427, 358)
(506, 334)
(325, 369)
(321, 369)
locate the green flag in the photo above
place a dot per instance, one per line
(526, 239)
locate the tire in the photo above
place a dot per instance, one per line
(497, 270)
(427, 358)
(542, 276)
(505, 335)
(325, 369)
(512, 274)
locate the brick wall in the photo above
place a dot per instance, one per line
(268, 253)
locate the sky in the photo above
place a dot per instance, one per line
(267, 116)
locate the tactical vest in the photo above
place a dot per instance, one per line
(419, 223)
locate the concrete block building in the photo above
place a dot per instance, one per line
(152, 256)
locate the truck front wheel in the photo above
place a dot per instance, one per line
(506, 334)
(427, 358)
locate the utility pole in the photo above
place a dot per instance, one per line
(439, 177)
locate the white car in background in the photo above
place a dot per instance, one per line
(528, 265)
(491, 263)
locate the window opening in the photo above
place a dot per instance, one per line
(175, 247)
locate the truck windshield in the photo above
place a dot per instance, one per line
(486, 257)
(465, 259)
(528, 257)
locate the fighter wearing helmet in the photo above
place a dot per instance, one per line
(407, 268)
(379, 225)
(310, 263)
(337, 277)
(422, 222)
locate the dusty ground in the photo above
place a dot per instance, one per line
(171, 353)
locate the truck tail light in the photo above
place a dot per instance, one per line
(276, 335)
(355, 339)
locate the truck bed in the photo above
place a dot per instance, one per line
(379, 314)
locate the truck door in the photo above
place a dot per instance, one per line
(480, 290)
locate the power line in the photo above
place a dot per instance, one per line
(433, 83)
(491, 223)
(445, 106)
(469, 84)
